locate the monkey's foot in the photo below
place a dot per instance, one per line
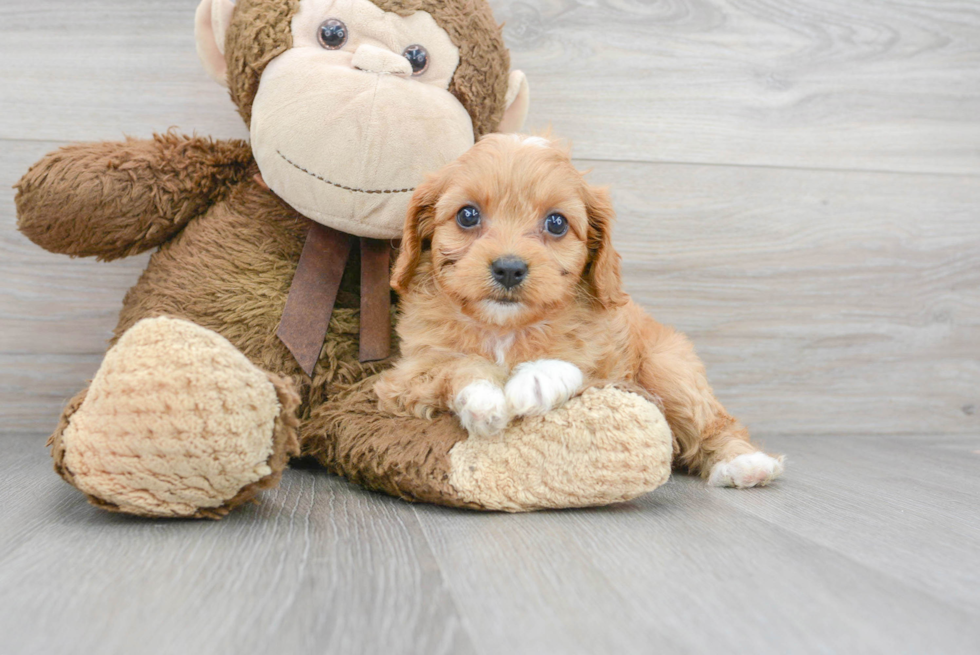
(605, 446)
(176, 423)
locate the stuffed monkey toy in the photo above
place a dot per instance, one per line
(254, 332)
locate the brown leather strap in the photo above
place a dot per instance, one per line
(375, 342)
(313, 293)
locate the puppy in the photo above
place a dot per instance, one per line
(512, 304)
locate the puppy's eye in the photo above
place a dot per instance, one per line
(556, 225)
(468, 216)
(332, 34)
(418, 57)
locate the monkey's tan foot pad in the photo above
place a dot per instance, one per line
(177, 423)
(605, 446)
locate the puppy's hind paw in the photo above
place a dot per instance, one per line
(751, 470)
(481, 408)
(538, 387)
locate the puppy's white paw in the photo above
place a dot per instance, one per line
(752, 470)
(481, 408)
(539, 386)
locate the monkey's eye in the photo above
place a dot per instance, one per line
(332, 34)
(556, 224)
(468, 217)
(418, 57)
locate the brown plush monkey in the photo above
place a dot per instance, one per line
(200, 402)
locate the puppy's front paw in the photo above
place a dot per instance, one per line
(481, 408)
(752, 470)
(540, 386)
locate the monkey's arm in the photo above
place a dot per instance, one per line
(115, 199)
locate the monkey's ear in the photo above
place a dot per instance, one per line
(602, 272)
(517, 102)
(210, 26)
(418, 228)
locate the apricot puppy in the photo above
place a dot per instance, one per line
(512, 303)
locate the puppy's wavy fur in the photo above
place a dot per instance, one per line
(459, 327)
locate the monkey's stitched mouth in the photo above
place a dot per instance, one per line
(339, 186)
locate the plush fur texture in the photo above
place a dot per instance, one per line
(210, 452)
(359, 131)
(203, 396)
(464, 335)
(260, 31)
(129, 197)
(609, 445)
(603, 442)
(227, 252)
(480, 82)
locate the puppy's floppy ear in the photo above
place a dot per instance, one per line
(602, 272)
(418, 228)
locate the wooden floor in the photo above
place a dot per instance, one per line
(870, 545)
(798, 186)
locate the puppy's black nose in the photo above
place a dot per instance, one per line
(509, 271)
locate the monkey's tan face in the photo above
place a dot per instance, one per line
(348, 121)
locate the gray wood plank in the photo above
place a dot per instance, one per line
(865, 547)
(904, 506)
(882, 85)
(318, 567)
(692, 572)
(105, 68)
(822, 302)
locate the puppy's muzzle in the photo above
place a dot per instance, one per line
(509, 271)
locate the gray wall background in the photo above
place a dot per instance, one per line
(798, 183)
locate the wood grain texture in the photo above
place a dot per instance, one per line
(821, 301)
(106, 68)
(894, 506)
(879, 84)
(318, 567)
(869, 545)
